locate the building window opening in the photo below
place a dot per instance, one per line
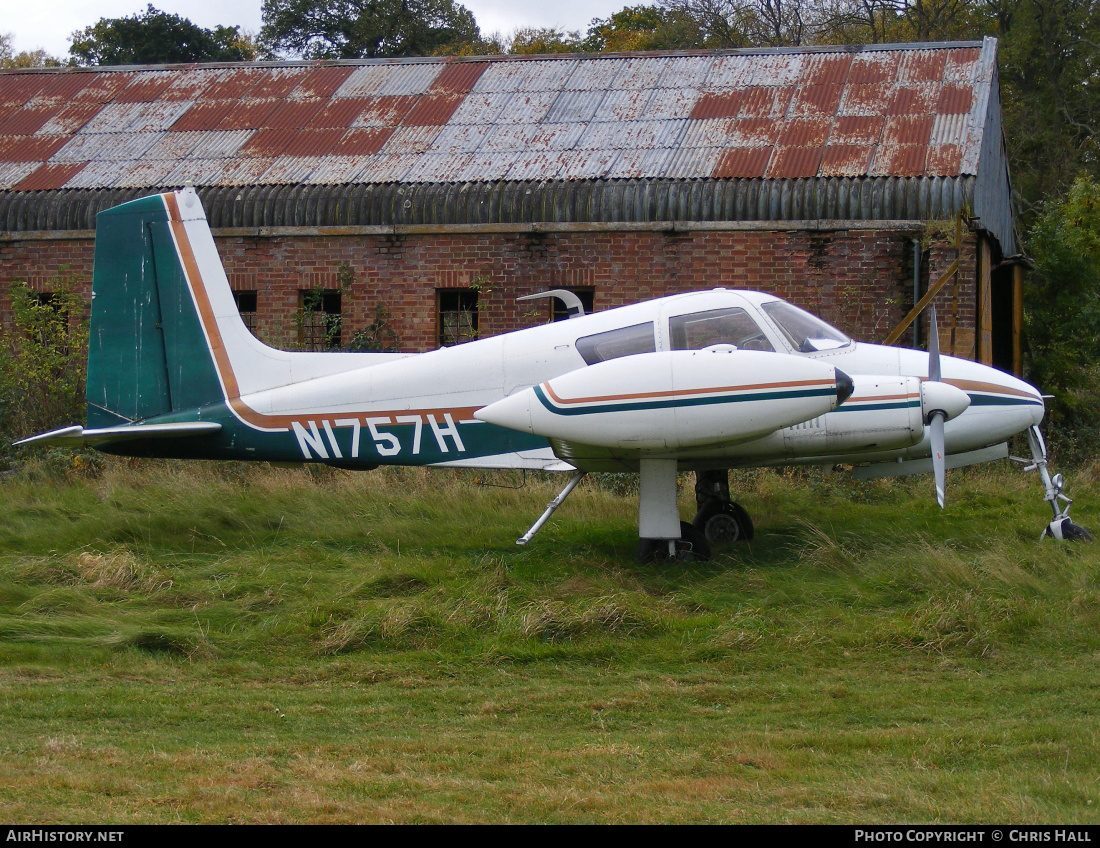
(587, 297)
(246, 304)
(319, 319)
(457, 310)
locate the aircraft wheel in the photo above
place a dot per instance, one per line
(692, 546)
(723, 523)
(1068, 531)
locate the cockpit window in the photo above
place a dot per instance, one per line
(625, 341)
(807, 333)
(729, 326)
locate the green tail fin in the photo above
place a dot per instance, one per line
(147, 354)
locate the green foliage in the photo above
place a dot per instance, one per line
(377, 336)
(530, 41)
(24, 59)
(42, 361)
(156, 37)
(644, 28)
(1062, 306)
(367, 29)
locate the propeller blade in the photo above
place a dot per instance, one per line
(933, 346)
(939, 467)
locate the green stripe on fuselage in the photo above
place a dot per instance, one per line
(680, 402)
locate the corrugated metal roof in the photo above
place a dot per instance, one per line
(910, 111)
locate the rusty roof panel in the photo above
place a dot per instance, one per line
(114, 118)
(961, 66)
(916, 66)
(711, 133)
(873, 67)
(174, 145)
(826, 69)
(269, 142)
(480, 167)
(907, 130)
(899, 160)
(943, 160)
(26, 120)
(387, 167)
(383, 111)
(84, 147)
(127, 146)
(459, 77)
(312, 142)
(815, 100)
(526, 107)
(390, 80)
(804, 132)
(105, 87)
(857, 129)
(233, 83)
(794, 162)
(61, 88)
(321, 82)
(637, 164)
(342, 113)
(12, 173)
(955, 99)
(437, 168)
(914, 100)
(725, 104)
(866, 99)
(639, 73)
(204, 115)
(754, 132)
(194, 172)
(432, 110)
(277, 84)
(98, 175)
(593, 75)
(480, 108)
(245, 115)
(777, 69)
(48, 176)
(557, 136)
(145, 87)
(291, 114)
(846, 160)
(766, 101)
(190, 85)
(69, 119)
(153, 117)
(742, 163)
(514, 75)
(17, 89)
(363, 142)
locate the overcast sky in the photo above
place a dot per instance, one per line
(47, 24)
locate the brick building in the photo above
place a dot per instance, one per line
(408, 203)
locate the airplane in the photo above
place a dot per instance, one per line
(698, 382)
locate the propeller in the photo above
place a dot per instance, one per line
(936, 417)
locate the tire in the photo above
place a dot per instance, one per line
(692, 546)
(723, 523)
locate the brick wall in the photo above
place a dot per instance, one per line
(860, 280)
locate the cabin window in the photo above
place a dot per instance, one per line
(729, 326)
(246, 305)
(319, 319)
(807, 333)
(625, 341)
(457, 316)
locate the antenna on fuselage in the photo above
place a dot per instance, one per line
(569, 300)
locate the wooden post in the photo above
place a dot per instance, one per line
(985, 301)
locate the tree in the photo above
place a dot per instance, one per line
(367, 29)
(750, 23)
(532, 40)
(156, 37)
(1062, 308)
(644, 28)
(24, 59)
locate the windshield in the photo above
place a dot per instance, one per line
(807, 333)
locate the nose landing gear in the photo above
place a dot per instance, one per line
(1061, 527)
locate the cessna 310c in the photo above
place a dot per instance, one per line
(702, 382)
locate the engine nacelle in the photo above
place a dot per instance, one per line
(674, 399)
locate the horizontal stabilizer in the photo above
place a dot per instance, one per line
(923, 466)
(77, 436)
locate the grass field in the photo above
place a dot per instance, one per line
(193, 643)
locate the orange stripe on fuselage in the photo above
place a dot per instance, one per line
(682, 392)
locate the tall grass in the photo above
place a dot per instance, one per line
(214, 643)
